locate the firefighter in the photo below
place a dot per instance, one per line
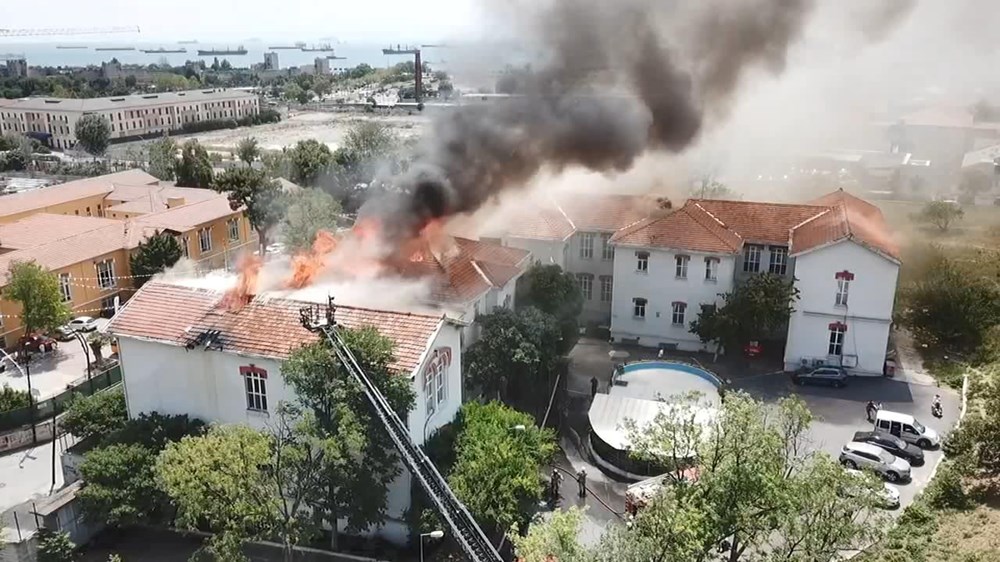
(581, 479)
(555, 480)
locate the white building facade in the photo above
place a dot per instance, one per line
(240, 380)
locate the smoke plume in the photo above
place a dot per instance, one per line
(617, 79)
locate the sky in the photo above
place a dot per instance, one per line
(218, 20)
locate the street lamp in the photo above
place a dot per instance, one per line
(86, 352)
(433, 535)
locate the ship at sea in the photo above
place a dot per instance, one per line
(227, 51)
(188, 42)
(71, 46)
(322, 48)
(162, 50)
(114, 48)
(296, 45)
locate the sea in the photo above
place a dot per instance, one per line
(48, 54)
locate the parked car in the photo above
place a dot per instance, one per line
(62, 333)
(34, 344)
(907, 428)
(829, 376)
(82, 324)
(888, 497)
(911, 453)
(865, 455)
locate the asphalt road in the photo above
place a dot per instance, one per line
(839, 412)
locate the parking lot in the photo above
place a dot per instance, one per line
(51, 372)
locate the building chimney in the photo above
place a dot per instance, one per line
(173, 202)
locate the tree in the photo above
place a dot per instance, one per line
(760, 487)
(370, 139)
(216, 478)
(256, 193)
(497, 466)
(226, 65)
(309, 159)
(162, 158)
(247, 150)
(295, 93)
(97, 415)
(11, 399)
(941, 214)
(38, 293)
(195, 167)
(93, 132)
(360, 459)
(55, 547)
(515, 353)
(555, 537)
(120, 486)
(96, 341)
(154, 256)
(554, 291)
(712, 189)
(309, 211)
(755, 309)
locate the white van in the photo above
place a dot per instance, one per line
(907, 428)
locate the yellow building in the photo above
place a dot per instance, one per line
(86, 231)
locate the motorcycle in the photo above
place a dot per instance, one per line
(936, 410)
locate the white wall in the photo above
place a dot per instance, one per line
(868, 313)
(546, 252)
(660, 286)
(207, 385)
(594, 310)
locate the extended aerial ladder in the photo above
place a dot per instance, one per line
(463, 526)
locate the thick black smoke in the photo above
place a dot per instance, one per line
(619, 78)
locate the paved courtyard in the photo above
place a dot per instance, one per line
(51, 372)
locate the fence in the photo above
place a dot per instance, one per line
(50, 407)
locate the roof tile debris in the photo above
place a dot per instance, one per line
(265, 327)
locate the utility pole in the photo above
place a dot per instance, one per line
(418, 69)
(31, 400)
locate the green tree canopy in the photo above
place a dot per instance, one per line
(309, 159)
(162, 158)
(259, 195)
(497, 466)
(309, 211)
(37, 291)
(360, 459)
(93, 132)
(515, 353)
(96, 415)
(941, 214)
(195, 167)
(295, 93)
(154, 256)
(754, 309)
(555, 536)
(120, 486)
(554, 291)
(55, 547)
(248, 150)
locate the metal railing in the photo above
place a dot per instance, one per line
(51, 407)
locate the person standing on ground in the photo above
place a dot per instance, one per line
(581, 479)
(593, 387)
(870, 410)
(556, 480)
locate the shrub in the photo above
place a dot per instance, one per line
(11, 399)
(98, 415)
(945, 490)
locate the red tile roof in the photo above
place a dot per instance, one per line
(464, 269)
(546, 223)
(760, 223)
(72, 191)
(68, 251)
(849, 218)
(43, 228)
(687, 228)
(559, 220)
(189, 216)
(175, 315)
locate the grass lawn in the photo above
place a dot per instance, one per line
(979, 228)
(966, 536)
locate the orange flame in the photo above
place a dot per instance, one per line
(308, 264)
(246, 284)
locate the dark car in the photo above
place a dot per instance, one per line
(35, 344)
(892, 444)
(829, 376)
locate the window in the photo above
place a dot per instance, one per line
(779, 260)
(64, 288)
(711, 269)
(255, 382)
(586, 282)
(606, 288)
(435, 389)
(587, 245)
(234, 230)
(642, 261)
(183, 241)
(639, 308)
(205, 239)
(843, 285)
(837, 331)
(681, 266)
(607, 250)
(106, 274)
(751, 258)
(678, 313)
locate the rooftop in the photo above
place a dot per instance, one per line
(123, 102)
(560, 219)
(687, 228)
(266, 327)
(73, 249)
(44, 228)
(189, 216)
(38, 199)
(466, 268)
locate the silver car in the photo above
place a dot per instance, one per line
(863, 455)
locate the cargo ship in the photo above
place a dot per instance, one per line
(188, 42)
(322, 48)
(162, 51)
(296, 45)
(114, 48)
(227, 51)
(333, 56)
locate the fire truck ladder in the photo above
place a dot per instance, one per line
(466, 531)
